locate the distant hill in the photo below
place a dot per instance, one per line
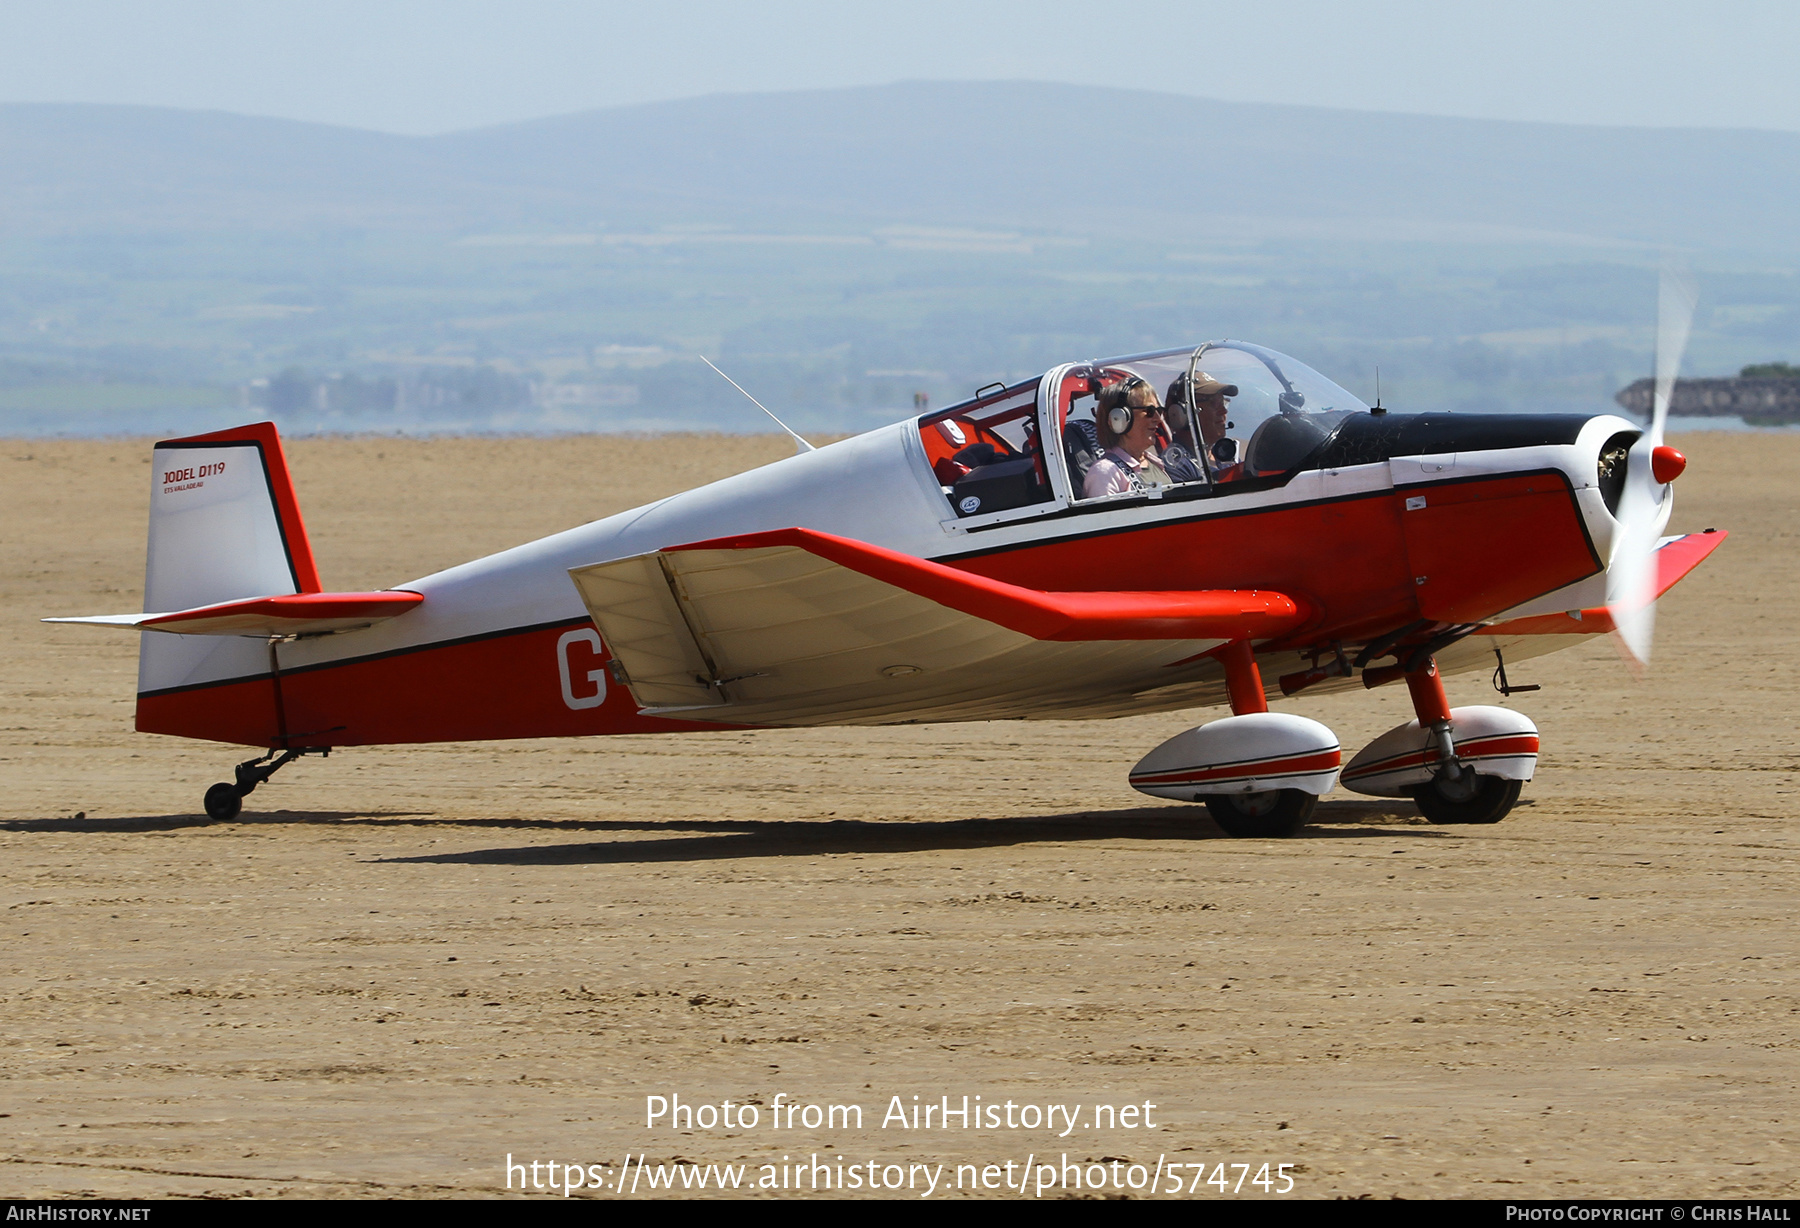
(1070, 158)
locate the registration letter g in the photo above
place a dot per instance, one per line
(565, 648)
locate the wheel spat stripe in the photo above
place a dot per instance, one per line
(1287, 765)
(1499, 746)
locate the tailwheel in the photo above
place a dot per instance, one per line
(1274, 812)
(223, 802)
(1467, 799)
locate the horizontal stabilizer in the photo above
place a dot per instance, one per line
(289, 614)
(799, 627)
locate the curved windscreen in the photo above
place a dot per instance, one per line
(1270, 382)
(1228, 410)
(1282, 410)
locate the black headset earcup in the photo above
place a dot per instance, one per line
(1118, 418)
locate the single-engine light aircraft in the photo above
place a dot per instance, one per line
(1200, 526)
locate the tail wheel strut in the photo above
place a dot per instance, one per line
(224, 802)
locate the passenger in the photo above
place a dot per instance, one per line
(1128, 419)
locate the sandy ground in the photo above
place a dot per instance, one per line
(402, 965)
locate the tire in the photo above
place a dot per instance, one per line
(1274, 813)
(223, 802)
(1492, 799)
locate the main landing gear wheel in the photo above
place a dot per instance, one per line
(1486, 800)
(1275, 812)
(223, 802)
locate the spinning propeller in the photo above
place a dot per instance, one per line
(1650, 467)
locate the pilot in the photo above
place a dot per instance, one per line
(1128, 419)
(1181, 457)
(1210, 397)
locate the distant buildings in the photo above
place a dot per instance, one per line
(1765, 395)
(300, 392)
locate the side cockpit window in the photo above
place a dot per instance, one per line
(1188, 422)
(1126, 431)
(986, 454)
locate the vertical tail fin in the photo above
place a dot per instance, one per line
(224, 522)
(224, 525)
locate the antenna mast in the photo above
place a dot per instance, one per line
(800, 445)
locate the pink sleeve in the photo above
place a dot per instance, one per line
(1105, 478)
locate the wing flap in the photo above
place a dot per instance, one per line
(648, 632)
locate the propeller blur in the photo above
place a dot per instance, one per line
(1645, 504)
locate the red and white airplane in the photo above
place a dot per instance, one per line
(964, 565)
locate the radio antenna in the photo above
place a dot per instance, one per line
(1378, 409)
(800, 445)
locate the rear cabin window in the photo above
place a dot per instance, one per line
(986, 454)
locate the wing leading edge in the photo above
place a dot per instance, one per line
(800, 627)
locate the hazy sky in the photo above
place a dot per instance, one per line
(422, 66)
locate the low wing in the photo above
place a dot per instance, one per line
(292, 614)
(1674, 558)
(801, 627)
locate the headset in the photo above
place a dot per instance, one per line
(1119, 417)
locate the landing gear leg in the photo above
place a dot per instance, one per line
(1243, 680)
(1271, 812)
(224, 801)
(1455, 794)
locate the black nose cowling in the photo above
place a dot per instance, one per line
(1364, 439)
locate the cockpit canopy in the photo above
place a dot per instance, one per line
(987, 454)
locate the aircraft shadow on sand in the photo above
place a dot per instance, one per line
(734, 839)
(729, 838)
(178, 822)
